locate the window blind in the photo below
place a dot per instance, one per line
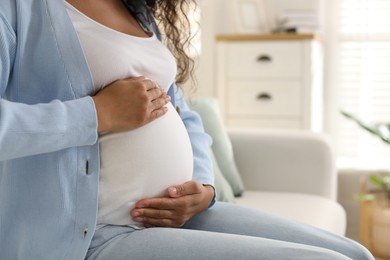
(363, 78)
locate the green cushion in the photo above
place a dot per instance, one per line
(222, 147)
(222, 187)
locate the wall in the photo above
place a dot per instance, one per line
(349, 184)
(205, 63)
(225, 23)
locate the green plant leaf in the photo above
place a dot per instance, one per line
(384, 132)
(364, 197)
(380, 130)
(377, 180)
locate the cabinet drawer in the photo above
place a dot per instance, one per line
(264, 59)
(272, 98)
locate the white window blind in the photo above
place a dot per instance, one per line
(362, 73)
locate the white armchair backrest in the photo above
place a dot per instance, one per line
(285, 161)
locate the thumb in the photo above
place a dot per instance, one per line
(187, 188)
(175, 191)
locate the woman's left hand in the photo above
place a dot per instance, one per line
(182, 203)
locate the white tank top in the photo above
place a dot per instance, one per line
(144, 162)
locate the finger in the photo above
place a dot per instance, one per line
(140, 214)
(156, 203)
(157, 94)
(158, 113)
(177, 220)
(153, 222)
(150, 84)
(188, 188)
(160, 102)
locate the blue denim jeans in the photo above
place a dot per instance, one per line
(226, 231)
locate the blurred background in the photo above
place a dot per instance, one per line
(330, 56)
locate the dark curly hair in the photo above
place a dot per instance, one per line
(172, 18)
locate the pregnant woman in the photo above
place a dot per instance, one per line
(100, 157)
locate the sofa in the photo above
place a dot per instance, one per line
(288, 173)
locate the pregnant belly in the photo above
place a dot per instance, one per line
(142, 163)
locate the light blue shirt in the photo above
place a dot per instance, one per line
(49, 155)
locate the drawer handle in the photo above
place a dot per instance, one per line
(264, 97)
(264, 58)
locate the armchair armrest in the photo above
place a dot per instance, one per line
(285, 161)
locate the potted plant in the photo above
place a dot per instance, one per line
(375, 202)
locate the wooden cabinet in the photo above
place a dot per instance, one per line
(270, 81)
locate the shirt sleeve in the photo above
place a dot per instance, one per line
(35, 129)
(7, 52)
(30, 129)
(200, 141)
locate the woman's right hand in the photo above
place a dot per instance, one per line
(128, 104)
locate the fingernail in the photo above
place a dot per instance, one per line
(172, 191)
(138, 219)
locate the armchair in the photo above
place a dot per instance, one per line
(289, 173)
